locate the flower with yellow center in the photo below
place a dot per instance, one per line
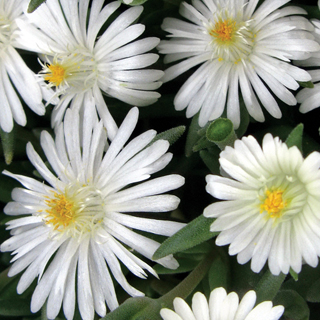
(78, 227)
(271, 204)
(240, 49)
(80, 61)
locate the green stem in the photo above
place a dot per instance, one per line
(189, 283)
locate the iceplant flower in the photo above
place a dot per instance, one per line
(78, 59)
(237, 45)
(310, 97)
(270, 207)
(222, 306)
(15, 76)
(79, 225)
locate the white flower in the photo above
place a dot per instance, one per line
(80, 223)
(14, 73)
(310, 98)
(222, 307)
(237, 45)
(78, 59)
(273, 204)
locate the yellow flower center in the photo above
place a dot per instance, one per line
(60, 212)
(75, 71)
(223, 30)
(55, 75)
(77, 211)
(232, 37)
(273, 203)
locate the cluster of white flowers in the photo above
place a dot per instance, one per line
(77, 227)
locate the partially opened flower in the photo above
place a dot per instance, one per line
(79, 226)
(271, 207)
(14, 73)
(222, 307)
(79, 59)
(237, 45)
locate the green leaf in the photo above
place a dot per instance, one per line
(12, 304)
(201, 248)
(34, 4)
(185, 265)
(194, 233)
(193, 135)
(171, 135)
(307, 278)
(268, 286)
(4, 279)
(15, 307)
(313, 294)
(219, 273)
(244, 119)
(295, 137)
(308, 84)
(7, 140)
(294, 275)
(211, 159)
(295, 306)
(136, 309)
(221, 132)
(133, 2)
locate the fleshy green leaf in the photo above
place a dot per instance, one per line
(136, 309)
(313, 294)
(308, 84)
(193, 135)
(295, 306)
(7, 140)
(185, 265)
(268, 286)
(211, 159)
(194, 233)
(171, 135)
(15, 307)
(295, 137)
(34, 4)
(307, 278)
(12, 304)
(219, 273)
(294, 275)
(244, 120)
(4, 279)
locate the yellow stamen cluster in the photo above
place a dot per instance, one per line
(273, 203)
(60, 212)
(55, 75)
(223, 30)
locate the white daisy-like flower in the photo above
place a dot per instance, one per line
(78, 59)
(237, 45)
(15, 76)
(222, 306)
(272, 204)
(310, 98)
(77, 228)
